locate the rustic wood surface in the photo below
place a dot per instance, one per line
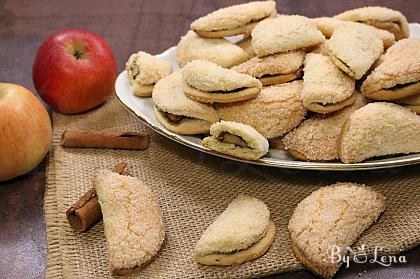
(128, 26)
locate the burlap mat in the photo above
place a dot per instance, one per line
(193, 188)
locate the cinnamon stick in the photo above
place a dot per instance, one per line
(87, 211)
(105, 139)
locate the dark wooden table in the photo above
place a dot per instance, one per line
(128, 26)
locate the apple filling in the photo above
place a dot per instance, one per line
(174, 118)
(399, 86)
(233, 139)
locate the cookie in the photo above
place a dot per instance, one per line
(237, 140)
(274, 69)
(354, 49)
(144, 70)
(412, 102)
(285, 33)
(398, 75)
(325, 87)
(207, 82)
(327, 25)
(379, 129)
(234, 20)
(219, 51)
(274, 112)
(379, 17)
(130, 213)
(315, 139)
(242, 232)
(178, 113)
(331, 216)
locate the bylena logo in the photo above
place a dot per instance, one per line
(358, 255)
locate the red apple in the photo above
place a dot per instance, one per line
(25, 131)
(74, 71)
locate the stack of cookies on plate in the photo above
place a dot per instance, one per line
(324, 89)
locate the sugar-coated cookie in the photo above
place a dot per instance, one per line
(234, 20)
(219, 51)
(332, 217)
(283, 34)
(379, 129)
(178, 113)
(144, 70)
(379, 17)
(237, 140)
(207, 82)
(242, 232)
(398, 75)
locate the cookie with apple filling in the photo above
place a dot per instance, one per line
(274, 69)
(237, 140)
(176, 112)
(325, 87)
(208, 83)
(354, 49)
(379, 17)
(234, 20)
(242, 232)
(398, 75)
(143, 71)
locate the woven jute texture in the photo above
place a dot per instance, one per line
(193, 189)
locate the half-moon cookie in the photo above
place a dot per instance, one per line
(274, 112)
(242, 232)
(398, 75)
(379, 129)
(246, 45)
(207, 82)
(234, 20)
(177, 112)
(354, 49)
(315, 139)
(283, 34)
(379, 17)
(237, 140)
(219, 51)
(327, 25)
(274, 69)
(133, 221)
(331, 216)
(325, 87)
(144, 70)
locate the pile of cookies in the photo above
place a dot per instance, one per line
(324, 89)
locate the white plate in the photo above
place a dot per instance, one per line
(143, 109)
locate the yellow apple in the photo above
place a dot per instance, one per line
(25, 131)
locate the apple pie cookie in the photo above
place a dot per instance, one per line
(398, 75)
(412, 102)
(274, 69)
(331, 216)
(283, 34)
(274, 112)
(234, 20)
(327, 25)
(208, 83)
(354, 49)
(325, 87)
(178, 113)
(144, 70)
(246, 45)
(133, 221)
(379, 17)
(237, 140)
(219, 51)
(379, 129)
(242, 232)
